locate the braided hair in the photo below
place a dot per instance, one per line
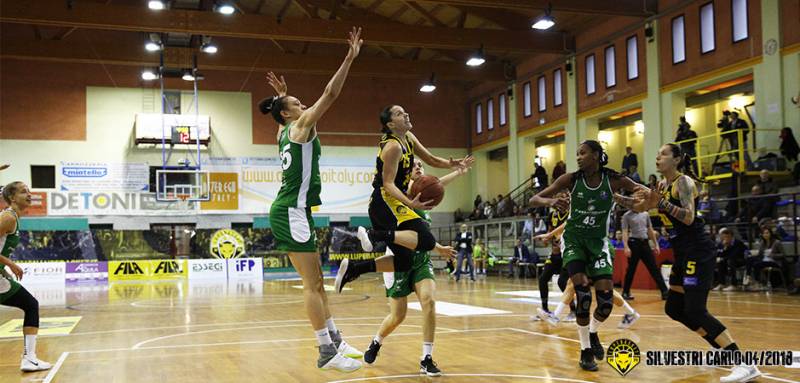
(273, 105)
(595, 147)
(685, 165)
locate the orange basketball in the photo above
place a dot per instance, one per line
(430, 187)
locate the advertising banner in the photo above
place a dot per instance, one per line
(105, 176)
(96, 202)
(245, 268)
(207, 269)
(43, 272)
(87, 272)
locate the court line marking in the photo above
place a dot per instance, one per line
(546, 378)
(53, 371)
(139, 345)
(766, 375)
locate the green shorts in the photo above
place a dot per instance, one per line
(293, 229)
(401, 284)
(596, 253)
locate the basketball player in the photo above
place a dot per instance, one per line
(18, 198)
(584, 244)
(693, 272)
(391, 212)
(554, 264)
(421, 280)
(290, 214)
(568, 295)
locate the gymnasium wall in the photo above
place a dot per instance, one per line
(69, 112)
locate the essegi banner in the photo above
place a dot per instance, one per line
(207, 269)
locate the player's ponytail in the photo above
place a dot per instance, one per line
(685, 164)
(273, 105)
(385, 117)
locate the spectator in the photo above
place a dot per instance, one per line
(652, 182)
(478, 202)
(770, 253)
(663, 238)
(707, 208)
(539, 176)
(488, 210)
(629, 159)
(479, 254)
(502, 207)
(757, 207)
(685, 132)
(636, 230)
(634, 174)
(476, 215)
(521, 254)
(618, 241)
(768, 186)
(789, 147)
(458, 215)
(559, 170)
(731, 254)
(739, 124)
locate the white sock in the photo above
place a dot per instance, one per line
(427, 349)
(583, 334)
(594, 324)
(30, 346)
(331, 325)
(559, 309)
(323, 336)
(379, 338)
(628, 309)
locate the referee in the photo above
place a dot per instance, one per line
(637, 247)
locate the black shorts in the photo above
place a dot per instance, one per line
(694, 267)
(387, 213)
(555, 262)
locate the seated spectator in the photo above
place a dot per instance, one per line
(770, 253)
(731, 254)
(768, 186)
(781, 232)
(478, 202)
(634, 174)
(757, 207)
(489, 209)
(663, 238)
(502, 207)
(521, 254)
(617, 241)
(707, 208)
(652, 182)
(789, 147)
(458, 216)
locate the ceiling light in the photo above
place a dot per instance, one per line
(152, 46)
(187, 75)
(478, 58)
(546, 21)
(225, 8)
(149, 75)
(207, 46)
(156, 4)
(429, 86)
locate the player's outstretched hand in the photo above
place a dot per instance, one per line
(445, 251)
(279, 84)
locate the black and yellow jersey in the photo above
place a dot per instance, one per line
(404, 168)
(683, 233)
(556, 219)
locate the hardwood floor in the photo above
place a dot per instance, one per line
(253, 332)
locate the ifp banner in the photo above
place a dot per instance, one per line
(246, 268)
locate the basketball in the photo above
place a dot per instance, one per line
(430, 187)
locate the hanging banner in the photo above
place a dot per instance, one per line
(113, 203)
(91, 176)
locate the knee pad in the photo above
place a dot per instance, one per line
(584, 298)
(605, 303)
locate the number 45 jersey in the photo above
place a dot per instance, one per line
(301, 184)
(590, 209)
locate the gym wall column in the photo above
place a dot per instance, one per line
(572, 136)
(514, 158)
(651, 107)
(767, 81)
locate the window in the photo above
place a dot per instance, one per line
(526, 99)
(678, 40)
(611, 67)
(43, 177)
(633, 57)
(707, 36)
(590, 89)
(490, 113)
(502, 101)
(542, 94)
(557, 98)
(478, 118)
(739, 15)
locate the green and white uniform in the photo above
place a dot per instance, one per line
(401, 284)
(585, 237)
(8, 286)
(290, 214)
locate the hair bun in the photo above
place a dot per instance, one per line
(265, 105)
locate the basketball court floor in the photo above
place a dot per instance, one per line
(254, 332)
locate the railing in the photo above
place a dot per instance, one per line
(738, 154)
